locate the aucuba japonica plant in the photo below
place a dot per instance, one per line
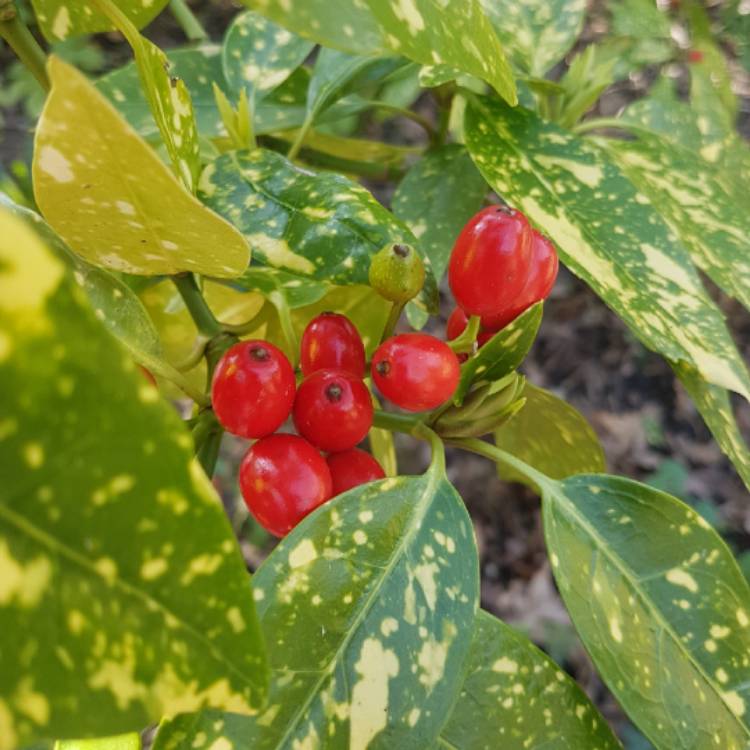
(198, 253)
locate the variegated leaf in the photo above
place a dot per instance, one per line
(322, 226)
(258, 55)
(536, 33)
(661, 605)
(716, 409)
(607, 233)
(168, 99)
(515, 697)
(365, 607)
(502, 354)
(60, 19)
(426, 31)
(110, 197)
(688, 193)
(108, 603)
(550, 435)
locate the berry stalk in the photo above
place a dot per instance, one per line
(23, 43)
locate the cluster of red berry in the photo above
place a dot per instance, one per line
(499, 267)
(284, 477)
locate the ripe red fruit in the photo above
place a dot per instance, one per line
(282, 479)
(415, 371)
(333, 410)
(541, 279)
(352, 468)
(695, 56)
(456, 325)
(331, 341)
(490, 261)
(252, 391)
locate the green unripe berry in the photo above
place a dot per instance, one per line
(397, 272)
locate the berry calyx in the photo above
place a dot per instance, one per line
(489, 263)
(397, 272)
(456, 325)
(351, 468)
(415, 371)
(331, 341)
(282, 479)
(542, 274)
(333, 410)
(252, 390)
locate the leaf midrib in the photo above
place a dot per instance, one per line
(46, 540)
(552, 490)
(420, 509)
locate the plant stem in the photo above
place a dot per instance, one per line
(301, 134)
(207, 435)
(192, 27)
(423, 122)
(465, 341)
(386, 420)
(502, 458)
(200, 312)
(23, 43)
(393, 317)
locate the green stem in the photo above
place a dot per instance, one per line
(437, 463)
(301, 135)
(192, 296)
(287, 325)
(393, 318)
(178, 379)
(195, 355)
(465, 342)
(23, 43)
(192, 27)
(603, 122)
(502, 458)
(423, 122)
(207, 435)
(386, 420)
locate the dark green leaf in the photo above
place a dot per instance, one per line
(660, 604)
(318, 225)
(502, 354)
(438, 195)
(536, 33)
(258, 55)
(365, 606)
(515, 697)
(550, 435)
(426, 31)
(59, 19)
(607, 233)
(108, 598)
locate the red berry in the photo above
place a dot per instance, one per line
(331, 341)
(541, 279)
(148, 375)
(352, 468)
(253, 389)
(282, 479)
(415, 371)
(490, 261)
(333, 410)
(456, 325)
(695, 56)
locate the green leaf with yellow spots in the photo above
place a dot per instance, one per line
(60, 19)
(426, 31)
(502, 354)
(365, 607)
(550, 435)
(168, 98)
(515, 697)
(322, 226)
(716, 409)
(660, 604)
(437, 196)
(110, 197)
(689, 194)
(257, 55)
(537, 33)
(607, 233)
(108, 597)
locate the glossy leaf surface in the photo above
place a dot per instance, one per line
(659, 603)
